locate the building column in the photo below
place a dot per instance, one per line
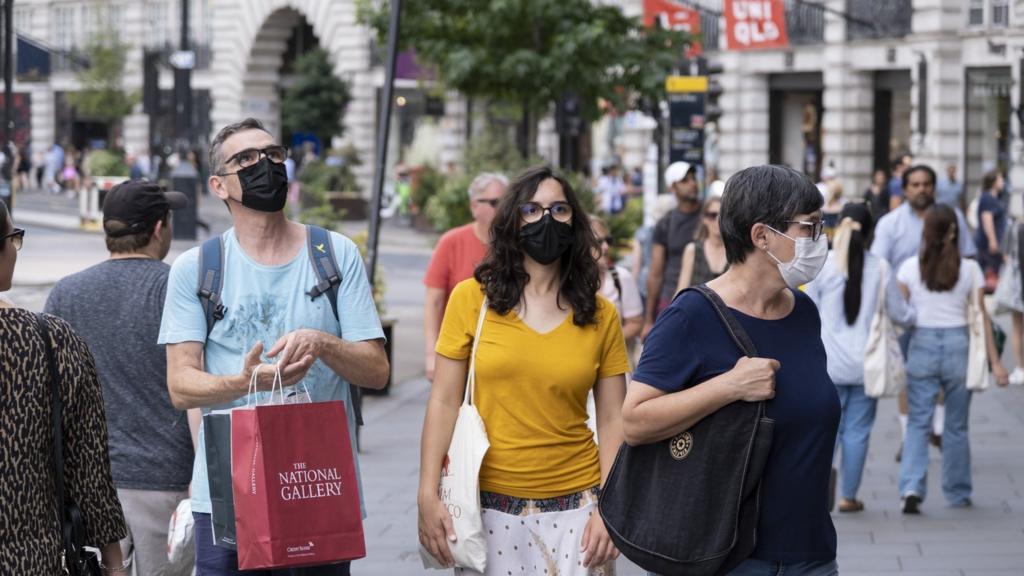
(453, 130)
(938, 133)
(744, 123)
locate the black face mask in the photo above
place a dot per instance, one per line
(546, 239)
(264, 186)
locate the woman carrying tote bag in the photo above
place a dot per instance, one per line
(850, 293)
(941, 286)
(548, 340)
(772, 228)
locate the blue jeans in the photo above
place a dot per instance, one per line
(858, 417)
(217, 561)
(755, 567)
(937, 361)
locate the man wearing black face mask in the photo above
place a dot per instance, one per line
(268, 319)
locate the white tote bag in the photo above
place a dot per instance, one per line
(978, 375)
(885, 373)
(459, 488)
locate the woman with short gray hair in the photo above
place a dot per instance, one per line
(771, 225)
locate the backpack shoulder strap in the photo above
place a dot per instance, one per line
(321, 256)
(211, 280)
(328, 275)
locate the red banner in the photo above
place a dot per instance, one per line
(755, 24)
(675, 16)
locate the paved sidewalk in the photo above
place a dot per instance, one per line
(987, 539)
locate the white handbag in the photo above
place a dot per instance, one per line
(978, 375)
(885, 373)
(459, 487)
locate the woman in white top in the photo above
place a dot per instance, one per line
(618, 286)
(847, 294)
(939, 284)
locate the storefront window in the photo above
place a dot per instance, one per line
(987, 144)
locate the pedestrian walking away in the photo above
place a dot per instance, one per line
(457, 254)
(671, 236)
(263, 313)
(771, 225)
(150, 442)
(940, 284)
(33, 539)
(547, 340)
(898, 237)
(847, 295)
(1009, 297)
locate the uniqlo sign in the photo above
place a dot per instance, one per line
(755, 24)
(674, 16)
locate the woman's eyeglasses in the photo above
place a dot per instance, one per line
(711, 215)
(816, 227)
(609, 240)
(532, 211)
(17, 236)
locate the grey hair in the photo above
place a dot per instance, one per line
(216, 162)
(770, 195)
(485, 179)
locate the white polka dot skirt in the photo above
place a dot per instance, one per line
(537, 537)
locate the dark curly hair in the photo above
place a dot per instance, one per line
(502, 275)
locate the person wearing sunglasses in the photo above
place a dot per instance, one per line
(704, 258)
(268, 319)
(770, 221)
(458, 252)
(33, 542)
(547, 341)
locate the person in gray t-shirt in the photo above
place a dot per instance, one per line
(671, 235)
(116, 306)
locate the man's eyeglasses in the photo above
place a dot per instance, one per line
(250, 156)
(492, 202)
(816, 227)
(17, 236)
(532, 211)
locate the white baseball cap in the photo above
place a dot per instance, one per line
(675, 172)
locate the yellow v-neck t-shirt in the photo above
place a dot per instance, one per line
(531, 391)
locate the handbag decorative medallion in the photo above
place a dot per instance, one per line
(680, 445)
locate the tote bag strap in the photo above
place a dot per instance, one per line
(471, 376)
(732, 326)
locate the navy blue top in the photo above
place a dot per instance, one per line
(689, 344)
(987, 202)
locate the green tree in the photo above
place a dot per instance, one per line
(534, 52)
(102, 96)
(316, 102)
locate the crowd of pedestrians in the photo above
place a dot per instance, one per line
(571, 354)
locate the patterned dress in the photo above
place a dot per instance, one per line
(29, 531)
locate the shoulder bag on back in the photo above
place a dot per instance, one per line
(689, 505)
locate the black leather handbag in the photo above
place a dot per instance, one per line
(689, 505)
(77, 560)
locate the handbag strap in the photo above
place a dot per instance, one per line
(471, 377)
(883, 276)
(732, 326)
(57, 424)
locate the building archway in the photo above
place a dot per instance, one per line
(250, 41)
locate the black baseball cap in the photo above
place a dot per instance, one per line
(137, 204)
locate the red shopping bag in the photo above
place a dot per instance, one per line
(295, 489)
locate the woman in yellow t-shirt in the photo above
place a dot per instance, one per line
(547, 340)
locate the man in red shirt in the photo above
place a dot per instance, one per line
(457, 254)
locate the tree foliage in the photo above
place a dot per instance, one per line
(102, 96)
(534, 52)
(316, 102)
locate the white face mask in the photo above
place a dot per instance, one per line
(808, 260)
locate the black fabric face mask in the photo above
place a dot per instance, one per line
(264, 186)
(546, 239)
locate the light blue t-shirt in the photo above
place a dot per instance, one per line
(264, 303)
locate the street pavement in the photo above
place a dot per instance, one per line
(987, 539)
